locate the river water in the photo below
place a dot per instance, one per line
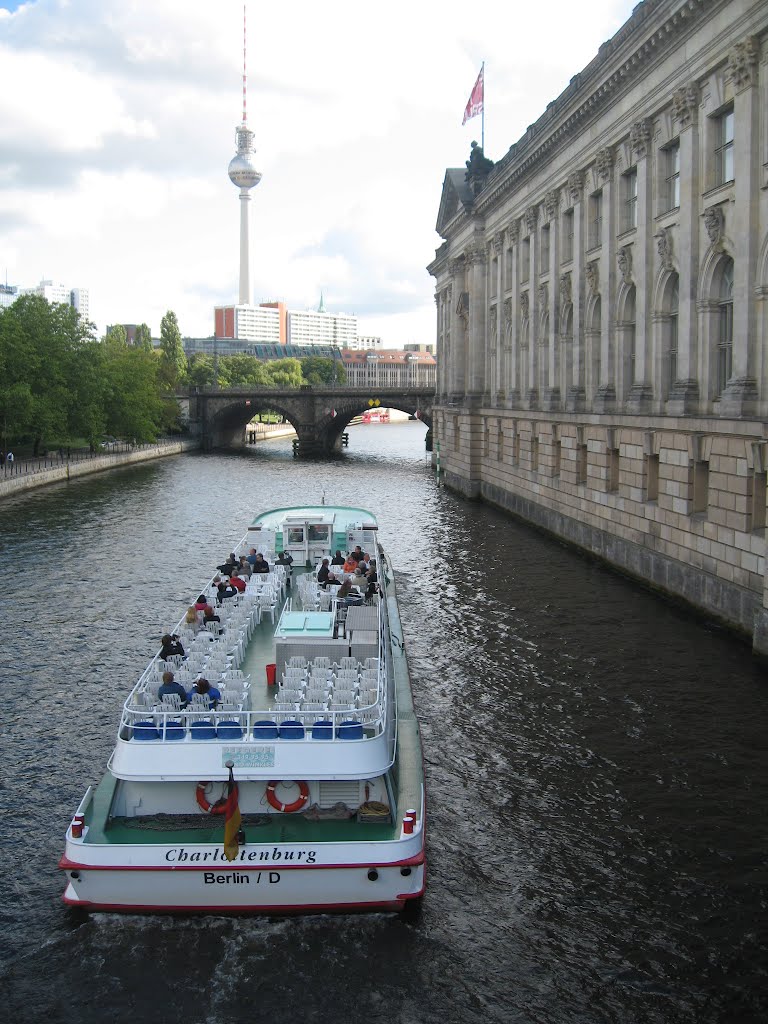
(597, 767)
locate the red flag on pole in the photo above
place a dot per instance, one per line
(475, 103)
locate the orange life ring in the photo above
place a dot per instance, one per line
(216, 808)
(288, 808)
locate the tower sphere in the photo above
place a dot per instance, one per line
(242, 171)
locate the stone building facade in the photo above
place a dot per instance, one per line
(602, 333)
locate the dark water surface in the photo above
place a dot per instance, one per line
(597, 768)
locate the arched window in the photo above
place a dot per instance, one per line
(725, 328)
(630, 339)
(674, 306)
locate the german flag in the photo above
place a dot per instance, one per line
(232, 818)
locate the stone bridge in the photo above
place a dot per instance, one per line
(318, 413)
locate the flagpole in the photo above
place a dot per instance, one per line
(482, 123)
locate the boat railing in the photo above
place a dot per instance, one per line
(236, 722)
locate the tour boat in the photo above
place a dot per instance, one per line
(302, 790)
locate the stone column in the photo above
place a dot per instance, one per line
(684, 396)
(496, 326)
(459, 310)
(512, 323)
(574, 399)
(530, 384)
(476, 258)
(605, 400)
(640, 389)
(740, 396)
(551, 398)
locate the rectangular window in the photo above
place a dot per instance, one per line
(525, 260)
(500, 447)
(494, 275)
(567, 236)
(508, 271)
(724, 148)
(612, 475)
(595, 219)
(516, 449)
(700, 488)
(672, 177)
(557, 457)
(758, 500)
(544, 249)
(535, 454)
(651, 477)
(629, 189)
(581, 463)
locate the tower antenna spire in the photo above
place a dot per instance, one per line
(245, 81)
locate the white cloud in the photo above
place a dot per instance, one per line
(118, 125)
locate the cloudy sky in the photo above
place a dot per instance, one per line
(117, 124)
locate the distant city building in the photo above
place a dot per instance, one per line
(264, 324)
(75, 297)
(316, 327)
(8, 295)
(366, 341)
(389, 368)
(261, 350)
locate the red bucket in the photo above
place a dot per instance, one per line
(271, 675)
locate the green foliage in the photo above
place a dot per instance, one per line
(321, 370)
(201, 373)
(143, 337)
(116, 337)
(173, 361)
(58, 383)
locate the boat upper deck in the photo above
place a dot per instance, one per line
(305, 677)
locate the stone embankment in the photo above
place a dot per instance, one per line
(38, 472)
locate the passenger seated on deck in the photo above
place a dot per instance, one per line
(285, 558)
(350, 564)
(338, 559)
(323, 572)
(261, 564)
(236, 582)
(191, 620)
(224, 590)
(245, 567)
(345, 591)
(203, 686)
(170, 645)
(210, 616)
(230, 564)
(332, 581)
(170, 686)
(251, 557)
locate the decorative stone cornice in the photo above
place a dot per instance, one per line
(456, 266)
(566, 292)
(530, 219)
(592, 274)
(714, 222)
(604, 161)
(498, 243)
(552, 203)
(512, 232)
(685, 104)
(621, 64)
(475, 255)
(742, 63)
(524, 306)
(664, 248)
(624, 258)
(639, 137)
(507, 313)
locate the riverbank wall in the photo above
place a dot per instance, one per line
(74, 468)
(256, 432)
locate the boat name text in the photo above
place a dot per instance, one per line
(179, 855)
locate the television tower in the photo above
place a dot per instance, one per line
(243, 173)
